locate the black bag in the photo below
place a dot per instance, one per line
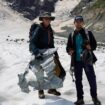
(88, 57)
(59, 70)
(94, 58)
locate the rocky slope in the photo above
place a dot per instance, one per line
(32, 8)
(94, 14)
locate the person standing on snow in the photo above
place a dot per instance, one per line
(43, 39)
(81, 45)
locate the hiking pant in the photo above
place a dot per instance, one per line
(89, 71)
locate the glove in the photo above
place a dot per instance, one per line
(39, 56)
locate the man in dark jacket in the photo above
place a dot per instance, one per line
(43, 39)
(79, 41)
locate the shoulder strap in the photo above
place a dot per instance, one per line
(35, 32)
(87, 34)
(72, 34)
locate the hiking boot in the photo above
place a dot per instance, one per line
(41, 94)
(54, 92)
(96, 101)
(79, 102)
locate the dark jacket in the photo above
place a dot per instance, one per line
(72, 39)
(42, 39)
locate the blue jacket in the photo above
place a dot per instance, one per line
(71, 44)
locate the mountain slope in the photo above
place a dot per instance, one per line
(32, 8)
(94, 14)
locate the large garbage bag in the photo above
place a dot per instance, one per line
(44, 72)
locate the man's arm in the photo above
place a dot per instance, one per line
(93, 42)
(69, 47)
(53, 46)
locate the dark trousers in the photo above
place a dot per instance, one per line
(89, 70)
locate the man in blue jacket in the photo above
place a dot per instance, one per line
(43, 38)
(79, 41)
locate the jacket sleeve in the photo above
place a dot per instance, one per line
(33, 43)
(52, 37)
(93, 42)
(69, 44)
(52, 44)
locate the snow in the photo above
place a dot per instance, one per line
(14, 58)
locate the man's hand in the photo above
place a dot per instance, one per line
(39, 56)
(71, 52)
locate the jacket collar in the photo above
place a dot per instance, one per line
(82, 30)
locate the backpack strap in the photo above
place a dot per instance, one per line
(87, 34)
(72, 35)
(35, 32)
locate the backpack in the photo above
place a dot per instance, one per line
(34, 29)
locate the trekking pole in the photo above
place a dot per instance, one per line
(73, 79)
(72, 73)
(72, 67)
